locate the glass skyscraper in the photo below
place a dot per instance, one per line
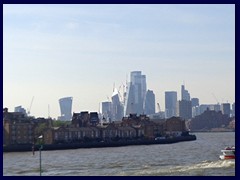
(65, 108)
(117, 110)
(107, 110)
(149, 103)
(185, 93)
(136, 91)
(170, 103)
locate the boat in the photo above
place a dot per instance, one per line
(228, 153)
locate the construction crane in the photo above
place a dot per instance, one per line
(159, 109)
(215, 98)
(108, 99)
(119, 94)
(29, 109)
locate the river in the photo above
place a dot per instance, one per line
(192, 158)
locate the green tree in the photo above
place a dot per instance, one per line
(61, 123)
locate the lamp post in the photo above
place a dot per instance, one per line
(40, 154)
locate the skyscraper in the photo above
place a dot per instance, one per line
(136, 91)
(117, 109)
(170, 103)
(185, 94)
(184, 109)
(149, 103)
(226, 108)
(195, 106)
(65, 108)
(106, 110)
(195, 102)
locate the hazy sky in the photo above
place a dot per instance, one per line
(54, 51)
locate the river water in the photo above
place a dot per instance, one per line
(193, 158)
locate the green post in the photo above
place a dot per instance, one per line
(40, 160)
(40, 154)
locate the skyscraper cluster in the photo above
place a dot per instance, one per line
(136, 100)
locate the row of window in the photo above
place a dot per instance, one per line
(22, 127)
(21, 132)
(22, 137)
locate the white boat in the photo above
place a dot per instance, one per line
(228, 153)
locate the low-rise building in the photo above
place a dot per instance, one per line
(174, 126)
(17, 128)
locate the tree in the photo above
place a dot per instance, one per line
(61, 123)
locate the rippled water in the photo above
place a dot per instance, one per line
(193, 158)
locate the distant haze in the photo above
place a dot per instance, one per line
(55, 51)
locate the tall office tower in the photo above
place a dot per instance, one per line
(149, 103)
(107, 110)
(136, 91)
(195, 102)
(170, 103)
(233, 109)
(117, 109)
(203, 108)
(129, 106)
(225, 107)
(195, 106)
(185, 94)
(66, 108)
(214, 107)
(184, 109)
(195, 111)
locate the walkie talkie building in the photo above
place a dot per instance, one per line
(66, 108)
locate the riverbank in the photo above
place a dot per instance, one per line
(22, 148)
(211, 131)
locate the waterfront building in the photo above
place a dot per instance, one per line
(170, 103)
(81, 119)
(232, 123)
(17, 128)
(70, 134)
(65, 108)
(93, 118)
(136, 91)
(209, 119)
(149, 103)
(85, 119)
(174, 126)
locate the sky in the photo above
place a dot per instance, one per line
(83, 51)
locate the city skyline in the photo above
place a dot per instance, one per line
(55, 51)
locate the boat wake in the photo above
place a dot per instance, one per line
(200, 169)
